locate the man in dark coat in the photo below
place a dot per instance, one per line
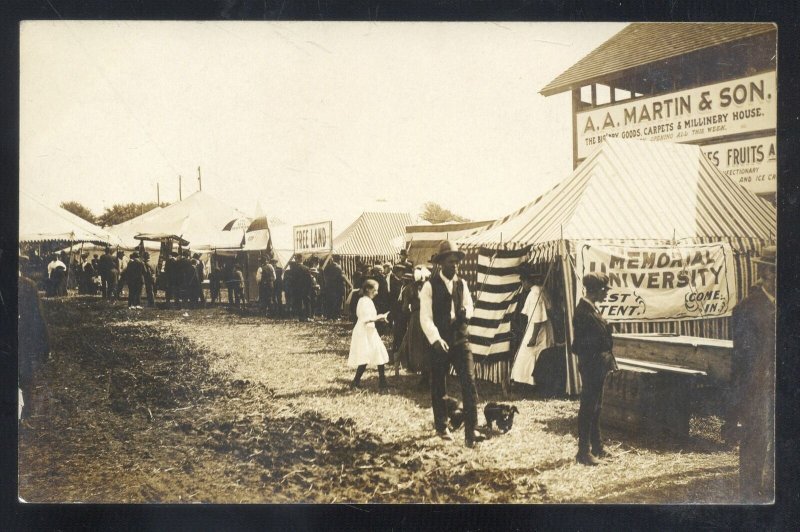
(215, 278)
(197, 295)
(277, 294)
(33, 339)
(592, 342)
(109, 274)
(302, 286)
(134, 277)
(149, 280)
(187, 278)
(751, 401)
(445, 310)
(336, 286)
(171, 276)
(399, 319)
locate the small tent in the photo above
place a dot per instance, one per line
(372, 237)
(635, 192)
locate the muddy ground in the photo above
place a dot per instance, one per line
(211, 405)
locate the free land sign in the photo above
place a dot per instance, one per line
(725, 109)
(313, 238)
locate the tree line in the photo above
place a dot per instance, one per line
(122, 212)
(116, 214)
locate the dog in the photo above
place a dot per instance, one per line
(455, 412)
(501, 414)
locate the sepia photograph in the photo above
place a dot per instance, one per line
(271, 262)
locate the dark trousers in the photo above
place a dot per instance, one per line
(301, 302)
(277, 301)
(171, 292)
(756, 453)
(265, 297)
(460, 357)
(235, 295)
(109, 281)
(148, 288)
(593, 370)
(134, 294)
(333, 304)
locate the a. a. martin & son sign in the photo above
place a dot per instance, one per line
(313, 238)
(734, 107)
(662, 282)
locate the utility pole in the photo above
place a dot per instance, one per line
(180, 188)
(158, 194)
(199, 178)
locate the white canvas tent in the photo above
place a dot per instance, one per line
(198, 219)
(39, 222)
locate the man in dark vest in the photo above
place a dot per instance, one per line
(751, 401)
(445, 310)
(592, 342)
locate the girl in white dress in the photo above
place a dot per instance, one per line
(538, 333)
(366, 346)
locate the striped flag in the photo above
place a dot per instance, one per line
(495, 301)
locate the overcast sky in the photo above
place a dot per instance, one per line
(316, 121)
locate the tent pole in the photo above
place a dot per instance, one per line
(568, 312)
(69, 261)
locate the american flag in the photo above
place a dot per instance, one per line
(497, 285)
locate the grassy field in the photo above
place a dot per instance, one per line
(209, 405)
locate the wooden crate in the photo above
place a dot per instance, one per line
(647, 402)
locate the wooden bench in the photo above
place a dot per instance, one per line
(651, 393)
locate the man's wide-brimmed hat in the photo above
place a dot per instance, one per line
(768, 256)
(446, 248)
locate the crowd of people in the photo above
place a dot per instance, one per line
(427, 315)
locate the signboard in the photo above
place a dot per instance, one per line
(313, 238)
(751, 163)
(662, 282)
(730, 108)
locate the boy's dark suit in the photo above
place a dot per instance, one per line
(592, 342)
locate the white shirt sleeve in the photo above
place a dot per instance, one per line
(258, 275)
(468, 304)
(426, 314)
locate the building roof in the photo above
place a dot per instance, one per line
(43, 223)
(373, 233)
(637, 190)
(643, 43)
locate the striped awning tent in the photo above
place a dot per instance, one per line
(422, 240)
(635, 192)
(372, 237)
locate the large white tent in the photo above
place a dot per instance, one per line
(198, 219)
(39, 222)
